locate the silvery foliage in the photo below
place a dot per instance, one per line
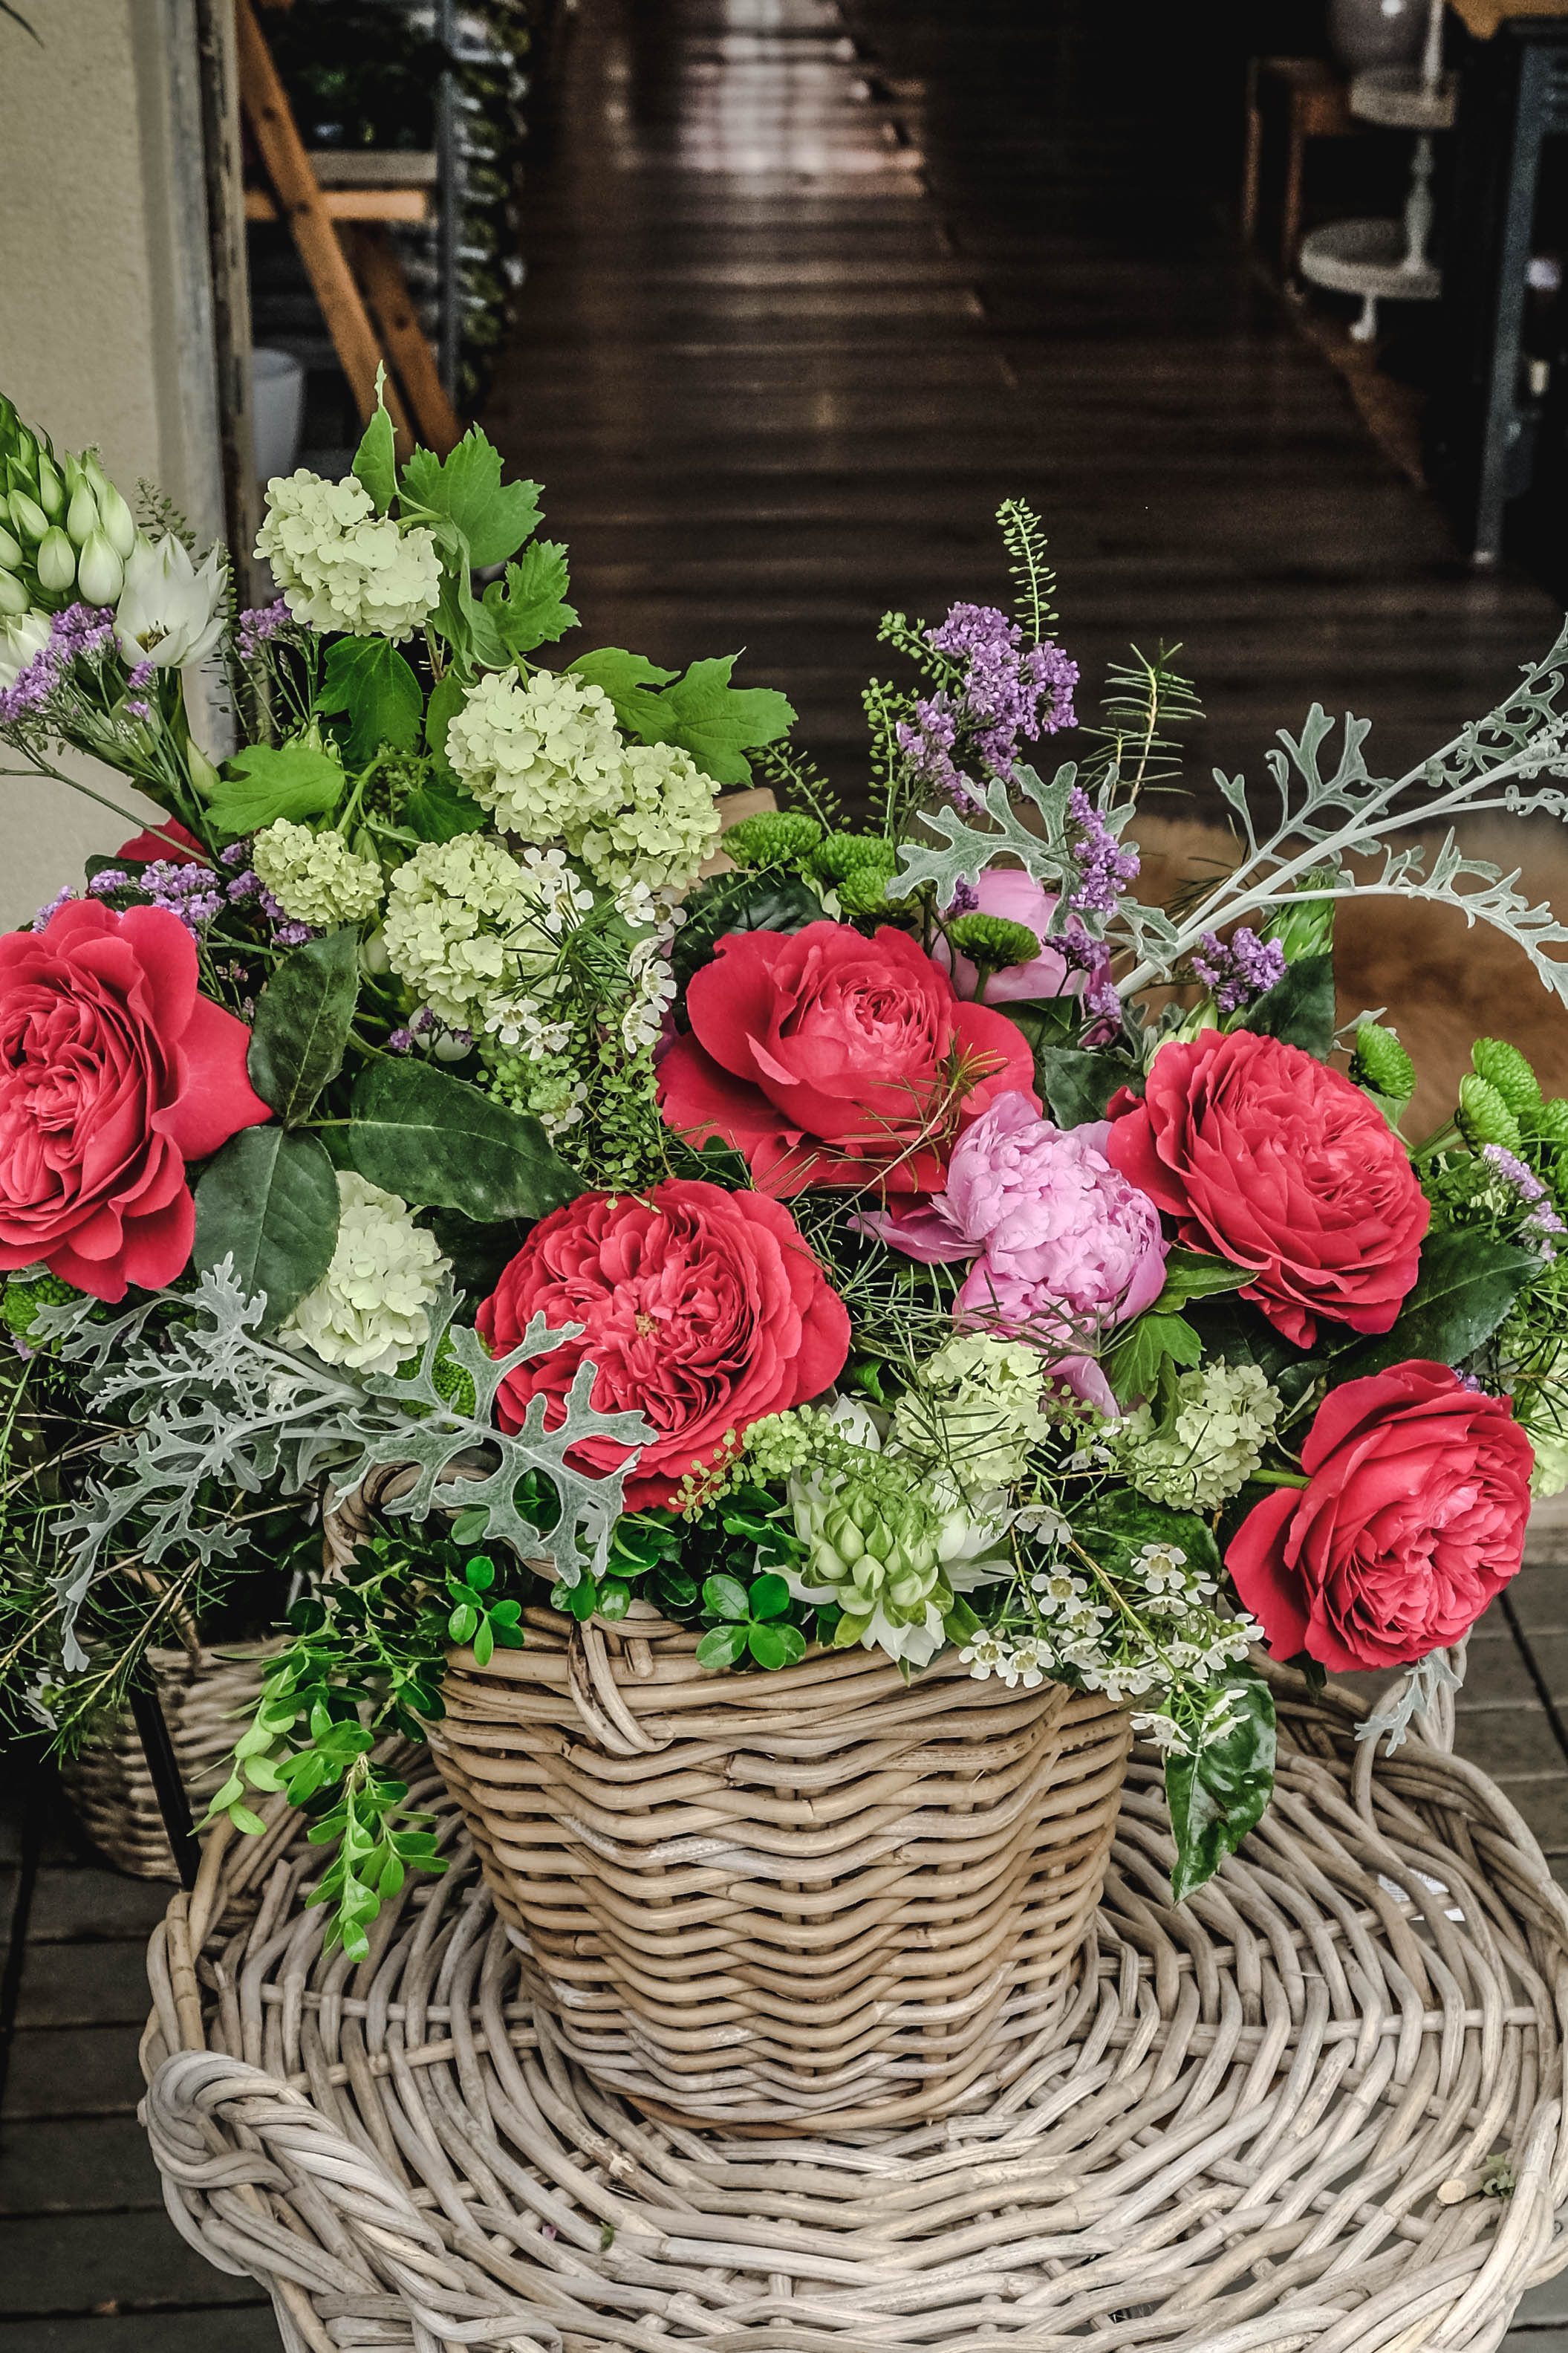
(1418, 1695)
(219, 1412)
(1330, 810)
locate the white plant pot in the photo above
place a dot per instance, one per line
(278, 407)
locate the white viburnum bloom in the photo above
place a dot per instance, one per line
(169, 612)
(370, 1308)
(471, 930)
(343, 566)
(660, 827)
(544, 758)
(1224, 1418)
(22, 639)
(977, 1408)
(316, 878)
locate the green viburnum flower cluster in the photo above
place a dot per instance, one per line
(372, 1307)
(468, 926)
(975, 1409)
(1209, 1444)
(341, 566)
(316, 878)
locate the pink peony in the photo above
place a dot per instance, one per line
(1061, 1241)
(1008, 891)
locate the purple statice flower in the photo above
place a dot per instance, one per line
(245, 886)
(85, 632)
(190, 891)
(927, 743)
(423, 1020)
(400, 1041)
(292, 935)
(82, 632)
(137, 709)
(235, 854)
(1238, 970)
(104, 885)
(259, 623)
(965, 900)
(32, 687)
(1543, 1223)
(141, 676)
(1100, 994)
(61, 898)
(1007, 692)
(1104, 868)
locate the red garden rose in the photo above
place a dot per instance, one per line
(174, 843)
(114, 1073)
(829, 1058)
(1275, 1162)
(700, 1308)
(1414, 1519)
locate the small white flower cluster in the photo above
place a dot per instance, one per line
(1211, 1443)
(316, 878)
(474, 932)
(975, 1409)
(662, 826)
(370, 1308)
(341, 566)
(544, 759)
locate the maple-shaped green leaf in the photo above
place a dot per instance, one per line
(375, 459)
(532, 610)
(263, 782)
(627, 680)
(466, 485)
(718, 723)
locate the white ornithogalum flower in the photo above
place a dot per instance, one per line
(469, 928)
(316, 878)
(370, 1308)
(544, 759)
(343, 566)
(23, 638)
(659, 827)
(1211, 1444)
(169, 612)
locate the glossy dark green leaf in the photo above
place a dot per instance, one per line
(721, 1647)
(269, 1200)
(1465, 1286)
(1216, 1797)
(726, 1597)
(1076, 1085)
(1191, 1275)
(740, 902)
(382, 704)
(615, 1597)
(1118, 1525)
(302, 1021)
(1300, 1009)
(775, 1646)
(769, 1597)
(438, 1142)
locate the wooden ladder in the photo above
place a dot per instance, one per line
(319, 218)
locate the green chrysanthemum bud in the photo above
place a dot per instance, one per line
(1484, 1116)
(773, 838)
(1305, 927)
(1505, 1067)
(864, 892)
(838, 855)
(20, 1303)
(993, 942)
(55, 561)
(1382, 1063)
(454, 1381)
(1549, 1121)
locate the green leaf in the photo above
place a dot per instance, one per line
(479, 1572)
(369, 679)
(462, 1621)
(260, 785)
(1119, 1523)
(726, 1597)
(1044, 1021)
(1132, 1367)
(1465, 1286)
(302, 1021)
(1077, 1086)
(1217, 1796)
(436, 811)
(484, 1642)
(718, 723)
(625, 678)
(469, 1526)
(448, 697)
(578, 1601)
(721, 1647)
(375, 459)
(1191, 1274)
(466, 485)
(269, 1200)
(740, 902)
(1299, 1009)
(775, 1646)
(441, 1144)
(531, 609)
(615, 1597)
(769, 1597)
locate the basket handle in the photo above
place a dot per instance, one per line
(606, 1718)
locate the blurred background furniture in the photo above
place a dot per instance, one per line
(1316, 104)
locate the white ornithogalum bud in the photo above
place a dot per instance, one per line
(81, 515)
(452, 1045)
(99, 570)
(55, 561)
(51, 489)
(28, 516)
(13, 595)
(118, 522)
(372, 956)
(10, 550)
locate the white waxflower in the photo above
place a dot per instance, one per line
(1225, 1416)
(341, 566)
(316, 878)
(543, 758)
(169, 612)
(370, 1308)
(660, 827)
(470, 929)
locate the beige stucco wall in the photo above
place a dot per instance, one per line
(105, 316)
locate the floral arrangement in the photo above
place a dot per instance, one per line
(890, 1232)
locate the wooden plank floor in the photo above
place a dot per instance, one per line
(813, 287)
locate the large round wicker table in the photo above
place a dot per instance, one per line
(1322, 2105)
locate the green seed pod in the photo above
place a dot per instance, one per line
(1484, 1116)
(1382, 1063)
(771, 838)
(28, 516)
(993, 942)
(1505, 1067)
(838, 854)
(55, 561)
(81, 516)
(13, 597)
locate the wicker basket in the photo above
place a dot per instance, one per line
(822, 1896)
(205, 1695)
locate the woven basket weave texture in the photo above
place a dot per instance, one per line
(1269, 2126)
(821, 1896)
(206, 1697)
